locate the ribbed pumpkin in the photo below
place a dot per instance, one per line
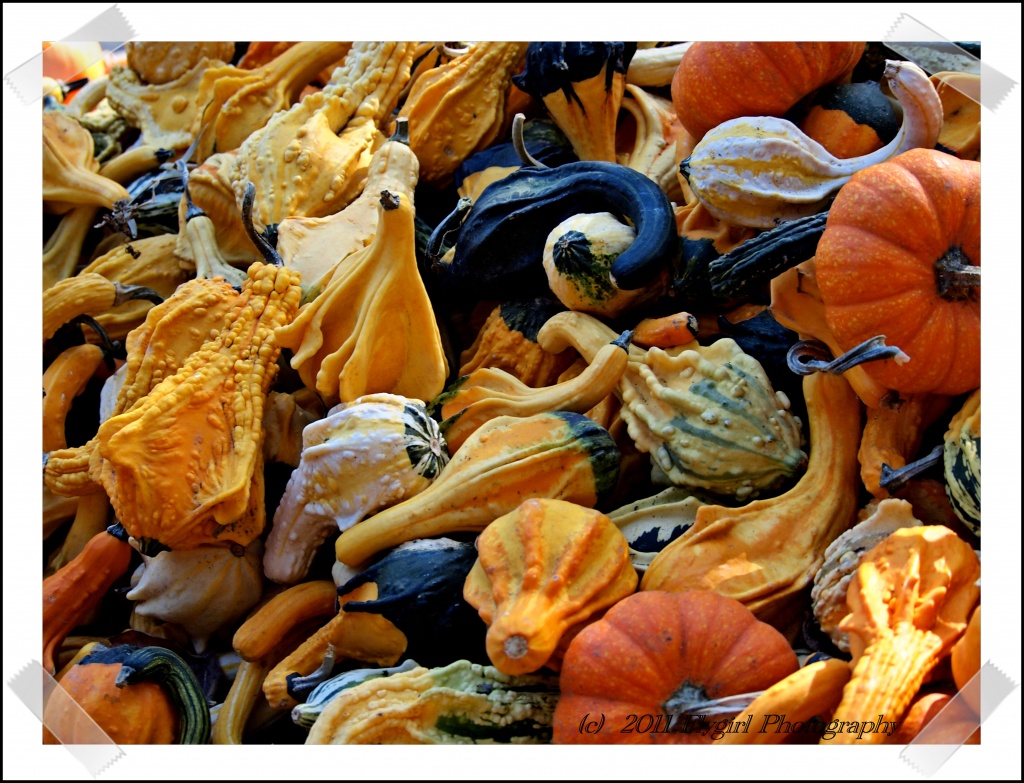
(657, 653)
(892, 262)
(719, 81)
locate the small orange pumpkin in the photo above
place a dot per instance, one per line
(656, 653)
(719, 81)
(901, 257)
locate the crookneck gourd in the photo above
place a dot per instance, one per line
(87, 294)
(910, 601)
(506, 461)
(654, 142)
(578, 257)
(581, 85)
(218, 393)
(366, 455)
(373, 328)
(708, 416)
(765, 553)
(462, 703)
(459, 107)
(475, 399)
(760, 171)
(512, 218)
(316, 246)
(71, 175)
(851, 119)
(543, 568)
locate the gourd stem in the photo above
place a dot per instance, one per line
(623, 340)
(810, 356)
(300, 687)
(519, 143)
(727, 705)
(111, 350)
(126, 293)
(266, 249)
(191, 210)
(389, 200)
(894, 480)
(451, 51)
(451, 224)
(401, 133)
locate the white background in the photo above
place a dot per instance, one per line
(997, 26)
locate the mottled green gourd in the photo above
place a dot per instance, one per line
(459, 704)
(961, 456)
(707, 415)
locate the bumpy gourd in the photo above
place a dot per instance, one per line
(159, 62)
(828, 595)
(542, 569)
(506, 461)
(760, 171)
(462, 703)
(366, 455)
(218, 393)
(708, 416)
(373, 328)
(459, 107)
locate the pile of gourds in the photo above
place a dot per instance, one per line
(506, 392)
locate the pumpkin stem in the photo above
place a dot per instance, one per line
(894, 480)
(810, 356)
(519, 143)
(266, 249)
(955, 278)
(452, 223)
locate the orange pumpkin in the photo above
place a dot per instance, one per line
(719, 81)
(900, 257)
(656, 653)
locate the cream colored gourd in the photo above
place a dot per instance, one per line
(761, 171)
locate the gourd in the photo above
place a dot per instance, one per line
(71, 175)
(203, 589)
(850, 120)
(506, 461)
(656, 129)
(373, 328)
(653, 523)
(235, 101)
(458, 108)
(218, 394)
(461, 703)
(507, 341)
(578, 256)
(306, 714)
(832, 580)
(961, 458)
(65, 379)
(419, 590)
(286, 416)
(766, 552)
(142, 713)
(366, 455)
(655, 66)
(75, 590)
(761, 171)
(812, 691)
(707, 415)
(271, 623)
(960, 94)
(476, 398)
(900, 257)
(591, 75)
(543, 568)
(513, 217)
(199, 232)
(323, 144)
(87, 294)
(664, 654)
(910, 600)
(159, 62)
(316, 246)
(719, 81)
